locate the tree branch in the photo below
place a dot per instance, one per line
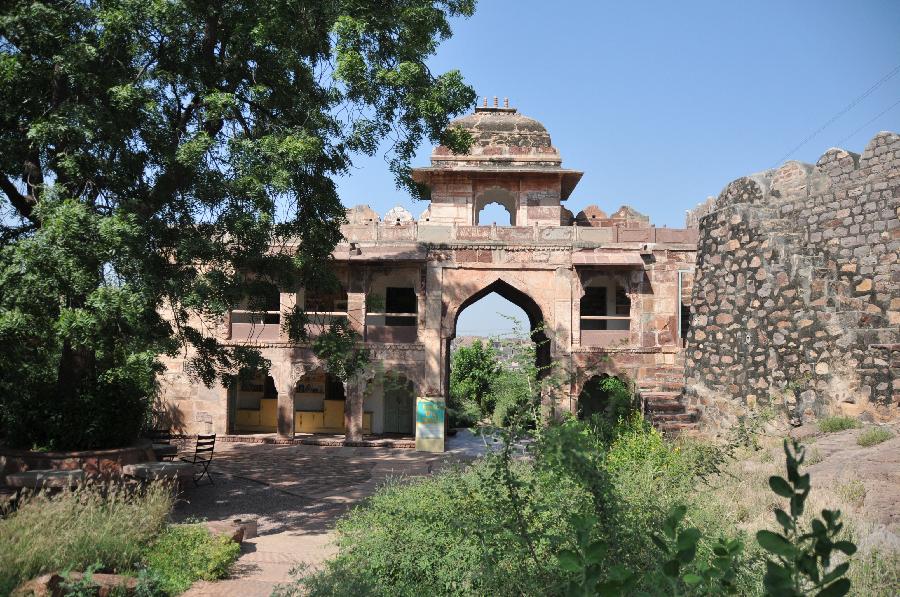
(24, 204)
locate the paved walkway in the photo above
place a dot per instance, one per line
(296, 493)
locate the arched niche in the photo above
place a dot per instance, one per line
(593, 398)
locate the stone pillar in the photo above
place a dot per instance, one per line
(353, 408)
(356, 302)
(286, 412)
(562, 309)
(287, 303)
(280, 373)
(431, 334)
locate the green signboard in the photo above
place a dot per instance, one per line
(430, 424)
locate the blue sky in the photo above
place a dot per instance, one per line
(662, 103)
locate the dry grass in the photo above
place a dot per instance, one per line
(96, 524)
(740, 498)
(873, 436)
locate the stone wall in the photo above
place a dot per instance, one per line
(795, 301)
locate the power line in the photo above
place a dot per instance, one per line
(849, 107)
(880, 114)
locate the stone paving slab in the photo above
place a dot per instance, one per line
(296, 493)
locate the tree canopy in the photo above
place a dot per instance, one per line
(151, 153)
(472, 372)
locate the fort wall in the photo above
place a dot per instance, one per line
(795, 302)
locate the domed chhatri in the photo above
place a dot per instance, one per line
(502, 137)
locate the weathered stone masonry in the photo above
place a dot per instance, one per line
(605, 295)
(795, 301)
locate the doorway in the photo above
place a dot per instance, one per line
(399, 405)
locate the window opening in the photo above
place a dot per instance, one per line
(398, 303)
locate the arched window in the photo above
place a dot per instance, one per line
(494, 213)
(486, 213)
(256, 400)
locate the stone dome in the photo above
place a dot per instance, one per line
(503, 137)
(504, 127)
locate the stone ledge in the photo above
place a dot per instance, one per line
(321, 441)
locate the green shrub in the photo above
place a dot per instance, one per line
(96, 524)
(471, 373)
(510, 394)
(185, 553)
(873, 436)
(455, 533)
(800, 560)
(499, 527)
(837, 423)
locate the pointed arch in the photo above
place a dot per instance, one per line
(518, 296)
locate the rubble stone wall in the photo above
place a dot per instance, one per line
(795, 302)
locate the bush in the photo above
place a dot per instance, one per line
(497, 529)
(454, 533)
(471, 373)
(873, 436)
(185, 553)
(103, 525)
(837, 423)
(511, 394)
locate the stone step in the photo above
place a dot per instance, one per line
(666, 418)
(650, 395)
(665, 407)
(674, 429)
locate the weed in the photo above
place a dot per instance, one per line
(185, 553)
(101, 524)
(800, 561)
(873, 436)
(837, 423)
(815, 457)
(853, 492)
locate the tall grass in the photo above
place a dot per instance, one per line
(838, 423)
(102, 524)
(873, 436)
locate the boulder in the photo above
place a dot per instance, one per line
(51, 585)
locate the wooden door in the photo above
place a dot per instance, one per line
(399, 406)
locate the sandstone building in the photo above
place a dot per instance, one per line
(611, 291)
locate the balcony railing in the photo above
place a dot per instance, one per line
(255, 325)
(318, 321)
(605, 331)
(392, 327)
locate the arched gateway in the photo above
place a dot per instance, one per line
(606, 292)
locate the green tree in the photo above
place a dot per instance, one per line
(152, 151)
(471, 374)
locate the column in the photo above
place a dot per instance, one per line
(353, 408)
(356, 299)
(285, 413)
(281, 375)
